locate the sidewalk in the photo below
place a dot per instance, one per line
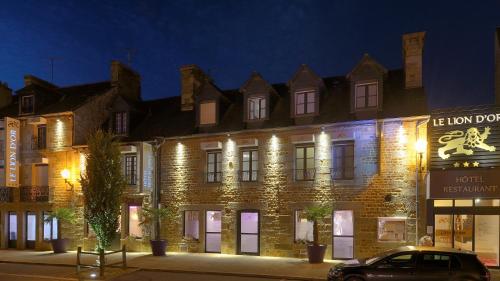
(252, 266)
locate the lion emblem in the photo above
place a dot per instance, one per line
(463, 143)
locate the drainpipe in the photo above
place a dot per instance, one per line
(157, 189)
(418, 165)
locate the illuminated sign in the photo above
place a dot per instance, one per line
(11, 152)
(467, 137)
(473, 183)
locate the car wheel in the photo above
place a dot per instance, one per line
(355, 278)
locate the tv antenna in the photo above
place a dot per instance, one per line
(130, 53)
(52, 62)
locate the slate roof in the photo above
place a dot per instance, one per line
(165, 118)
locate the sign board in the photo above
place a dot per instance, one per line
(12, 128)
(460, 183)
(465, 138)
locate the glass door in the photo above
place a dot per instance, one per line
(463, 231)
(487, 239)
(12, 230)
(343, 235)
(443, 232)
(213, 226)
(248, 233)
(30, 230)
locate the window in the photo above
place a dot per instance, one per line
(50, 229)
(304, 163)
(343, 235)
(41, 141)
(191, 225)
(256, 108)
(435, 261)
(305, 103)
(131, 169)
(207, 113)
(249, 165)
(366, 95)
(392, 229)
(120, 123)
(403, 260)
(343, 160)
(214, 166)
(27, 104)
(134, 229)
(303, 227)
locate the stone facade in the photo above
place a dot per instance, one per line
(383, 185)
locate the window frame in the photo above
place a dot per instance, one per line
(184, 224)
(342, 145)
(367, 96)
(123, 128)
(306, 102)
(41, 142)
(130, 174)
(295, 240)
(405, 238)
(305, 168)
(217, 159)
(23, 106)
(128, 220)
(251, 168)
(262, 110)
(52, 235)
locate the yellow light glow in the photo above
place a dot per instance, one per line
(421, 146)
(83, 163)
(65, 174)
(403, 139)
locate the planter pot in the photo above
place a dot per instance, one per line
(316, 253)
(59, 245)
(158, 247)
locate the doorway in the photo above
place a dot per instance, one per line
(30, 230)
(12, 230)
(213, 226)
(343, 234)
(248, 232)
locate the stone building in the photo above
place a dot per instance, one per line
(43, 131)
(239, 166)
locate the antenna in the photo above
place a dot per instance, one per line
(130, 53)
(51, 61)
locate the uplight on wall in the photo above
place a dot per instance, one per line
(65, 174)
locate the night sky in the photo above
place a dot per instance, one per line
(232, 38)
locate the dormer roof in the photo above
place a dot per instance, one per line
(304, 77)
(256, 84)
(367, 65)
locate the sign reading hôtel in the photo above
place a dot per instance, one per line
(11, 152)
(464, 152)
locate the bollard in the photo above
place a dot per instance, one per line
(124, 256)
(101, 262)
(78, 253)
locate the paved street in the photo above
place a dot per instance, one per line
(161, 276)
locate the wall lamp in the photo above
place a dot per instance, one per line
(65, 175)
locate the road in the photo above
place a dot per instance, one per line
(162, 276)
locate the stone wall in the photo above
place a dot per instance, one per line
(384, 185)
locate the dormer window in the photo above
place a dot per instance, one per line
(366, 95)
(305, 102)
(256, 108)
(120, 127)
(27, 104)
(208, 113)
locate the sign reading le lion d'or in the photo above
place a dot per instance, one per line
(473, 183)
(11, 152)
(465, 138)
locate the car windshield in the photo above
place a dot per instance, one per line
(376, 258)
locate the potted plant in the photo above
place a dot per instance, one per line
(315, 250)
(152, 217)
(62, 215)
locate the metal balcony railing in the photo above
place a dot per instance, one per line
(213, 177)
(38, 143)
(342, 174)
(6, 194)
(248, 176)
(35, 194)
(304, 174)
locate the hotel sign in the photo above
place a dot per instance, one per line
(472, 183)
(465, 138)
(12, 128)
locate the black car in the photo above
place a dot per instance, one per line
(413, 263)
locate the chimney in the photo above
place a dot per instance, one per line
(192, 78)
(413, 46)
(497, 66)
(126, 81)
(5, 95)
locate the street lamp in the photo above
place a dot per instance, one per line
(420, 149)
(65, 175)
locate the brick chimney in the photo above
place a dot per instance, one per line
(497, 65)
(192, 78)
(413, 46)
(126, 81)
(5, 95)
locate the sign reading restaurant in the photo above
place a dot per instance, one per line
(11, 152)
(464, 147)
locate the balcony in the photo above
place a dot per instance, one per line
(35, 194)
(38, 143)
(6, 194)
(248, 176)
(213, 177)
(342, 174)
(304, 174)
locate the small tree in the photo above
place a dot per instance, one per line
(63, 215)
(315, 214)
(103, 186)
(149, 217)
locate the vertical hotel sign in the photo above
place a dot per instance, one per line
(11, 152)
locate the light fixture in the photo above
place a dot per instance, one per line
(65, 175)
(420, 146)
(478, 200)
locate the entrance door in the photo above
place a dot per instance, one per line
(443, 231)
(12, 230)
(463, 231)
(343, 235)
(487, 240)
(213, 226)
(30, 230)
(248, 233)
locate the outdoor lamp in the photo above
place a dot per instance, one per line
(65, 176)
(421, 146)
